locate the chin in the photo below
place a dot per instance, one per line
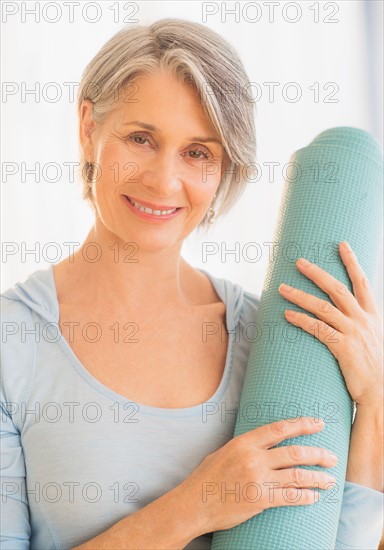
(146, 240)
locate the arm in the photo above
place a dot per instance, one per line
(365, 459)
(361, 517)
(15, 527)
(171, 521)
(15, 373)
(358, 349)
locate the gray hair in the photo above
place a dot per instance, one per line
(198, 56)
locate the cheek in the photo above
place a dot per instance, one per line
(200, 196)
(116, 167)
(203, 182)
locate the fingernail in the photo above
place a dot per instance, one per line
(285, 288)
(303, 262)
(319, 423)
(346, 245)
(290, 314)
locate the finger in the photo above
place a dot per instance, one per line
(326, 333)
(339, 293)
(275, 432)
(295, 455)
(299, 477)
(289, 496)
(321, 308)
(361, 286)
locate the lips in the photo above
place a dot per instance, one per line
(151, 205)
(146, 213)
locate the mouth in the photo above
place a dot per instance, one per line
(144, 210)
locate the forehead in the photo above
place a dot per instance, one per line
(163, 101)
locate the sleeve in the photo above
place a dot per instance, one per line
(14, 518)
(361, 518)
(16, 359)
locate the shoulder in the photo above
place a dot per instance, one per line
(249, 307)
(242, 304)
(17, 349)
(12, 308)
(15, 315)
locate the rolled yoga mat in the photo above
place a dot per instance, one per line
(333, 192)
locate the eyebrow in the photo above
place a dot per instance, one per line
(152, 128)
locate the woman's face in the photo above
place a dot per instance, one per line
(157, 147)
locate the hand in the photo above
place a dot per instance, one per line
(245, 476)
(354, 323)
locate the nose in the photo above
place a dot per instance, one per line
(162, 174)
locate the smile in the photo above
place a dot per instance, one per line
(145, 212)
(144, 208)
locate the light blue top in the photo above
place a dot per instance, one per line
(76, 457)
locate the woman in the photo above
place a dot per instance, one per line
(113, 423)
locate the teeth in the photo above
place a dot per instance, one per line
(149, 210)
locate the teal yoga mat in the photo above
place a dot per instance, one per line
(333, 192)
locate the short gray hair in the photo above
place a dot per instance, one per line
(198, 56)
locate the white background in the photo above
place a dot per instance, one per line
(37, 129)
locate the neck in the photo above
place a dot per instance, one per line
(124, 276)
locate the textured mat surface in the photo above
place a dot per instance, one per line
(334, 192)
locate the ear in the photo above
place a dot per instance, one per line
(86, 127)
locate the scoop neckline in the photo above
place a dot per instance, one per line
(142, 408)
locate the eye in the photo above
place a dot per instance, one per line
(139, 138)
(199, 154)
